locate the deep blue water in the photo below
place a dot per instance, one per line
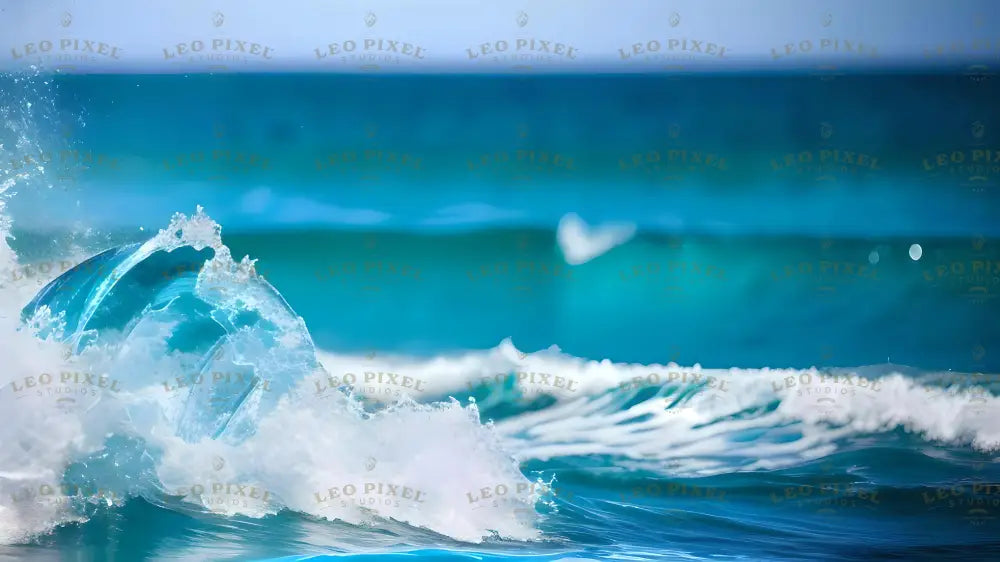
(844, 223)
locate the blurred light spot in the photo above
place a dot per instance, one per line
(873, 257)
(916, 251)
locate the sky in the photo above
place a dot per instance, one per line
(496, 35)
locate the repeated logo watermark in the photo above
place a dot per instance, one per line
(386, 498)
(223, 491)
(370, 50)
(673, 280)
(216, 49)
(825, 353)
(972, 273)
(64, 495)
(829, 273)
(685, 390)
(222, 494)
(221, 161)
(829, 495)
(974, 167)
(62, 162)
(828, 163)
(34, 274)
(824, 45)
(223, 389)
(523, 278)
(237, 273)
(672, 491)
(86, 273)
(518, 498)
(971, 389)
(674, 163)
(522, 49)
(517, 45)
(978, 46)
(371, 381)
(67, 391)
(529, 385)
(976, 502)
(828, 393)
(226, 496)
(522, 161)
(373, 273)
(62, 51)
(671, 50)
(371, 161)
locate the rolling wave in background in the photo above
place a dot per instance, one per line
(359, 390)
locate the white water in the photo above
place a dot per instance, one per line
(689, 425)
(581, 243)
(322, 456)
(431, 465)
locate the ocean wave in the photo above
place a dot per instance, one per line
(139, 398)
(199, 372)
(679, 420)
(142, 381)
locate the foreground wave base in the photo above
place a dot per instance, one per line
(165, 377)
(187, 389)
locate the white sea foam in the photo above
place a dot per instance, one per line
(581, 243)
(35, 443)
(327, 457)
(689, 420)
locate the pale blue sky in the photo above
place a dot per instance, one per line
(598, 31)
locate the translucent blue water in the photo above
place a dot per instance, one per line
(415, 218)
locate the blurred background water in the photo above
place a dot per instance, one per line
(774, 227)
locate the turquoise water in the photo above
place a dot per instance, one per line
(793, 357)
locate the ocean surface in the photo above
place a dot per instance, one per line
(693, 317)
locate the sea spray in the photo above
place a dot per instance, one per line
(249, 473)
